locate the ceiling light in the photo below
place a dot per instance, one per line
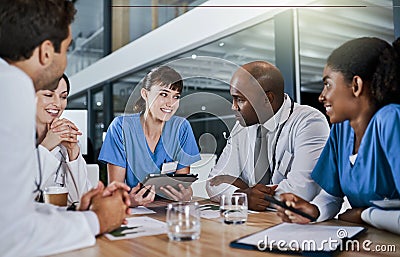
(194, 56)
(221, 44)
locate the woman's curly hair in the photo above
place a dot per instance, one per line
(375, 61)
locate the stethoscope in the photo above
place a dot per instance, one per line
(277, 138)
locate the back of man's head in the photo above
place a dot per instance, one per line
(25, 24)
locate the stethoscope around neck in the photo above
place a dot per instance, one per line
(277, 137)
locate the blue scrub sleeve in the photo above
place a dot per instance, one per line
(389, 136)
(189, 152)
(113, 150)
(325, 172)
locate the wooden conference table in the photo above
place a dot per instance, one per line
(215, 238)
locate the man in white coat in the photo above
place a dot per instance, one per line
(293, 138)
(34, 38)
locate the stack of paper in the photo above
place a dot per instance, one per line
(138, 226)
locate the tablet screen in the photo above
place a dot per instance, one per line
(162, 180)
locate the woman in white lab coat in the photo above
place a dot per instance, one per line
(59, 152)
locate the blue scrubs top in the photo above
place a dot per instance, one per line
(125, 145)
(376, 171)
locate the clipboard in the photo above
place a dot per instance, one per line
(172, 179)
(306, 239)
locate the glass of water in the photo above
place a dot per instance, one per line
(183, 221)
(233, 208)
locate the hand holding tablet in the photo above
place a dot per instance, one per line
(162, 180)
(271, 199)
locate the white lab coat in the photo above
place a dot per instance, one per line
(73, 174)
(29, 228)
(301, 141)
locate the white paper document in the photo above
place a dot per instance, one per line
(297, 237)
(141, 210)
(138, 226)
(209, 211)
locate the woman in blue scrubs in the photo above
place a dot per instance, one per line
(361, 157)
(148, 141)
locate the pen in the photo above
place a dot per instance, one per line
(271, 199)
(122, 231)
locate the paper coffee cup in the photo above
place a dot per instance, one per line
(56, 195)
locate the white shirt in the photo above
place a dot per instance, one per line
(29, 228)
(353, 158)
(299, 145)
(73, 174)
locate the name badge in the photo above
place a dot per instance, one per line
(168, 167)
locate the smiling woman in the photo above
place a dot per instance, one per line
(61, 159)
(50, 104)
(141, 144)
(360, 159)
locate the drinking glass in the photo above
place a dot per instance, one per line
(233, 208)
(183, 221)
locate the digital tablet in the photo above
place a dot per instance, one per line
(271, 199)
(162, 180)
(387, 204)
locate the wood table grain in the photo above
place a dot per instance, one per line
(216, 236)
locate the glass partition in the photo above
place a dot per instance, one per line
(207, 71)
(323, 29)
(87, 35)
(78, 102)
(130, 20)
